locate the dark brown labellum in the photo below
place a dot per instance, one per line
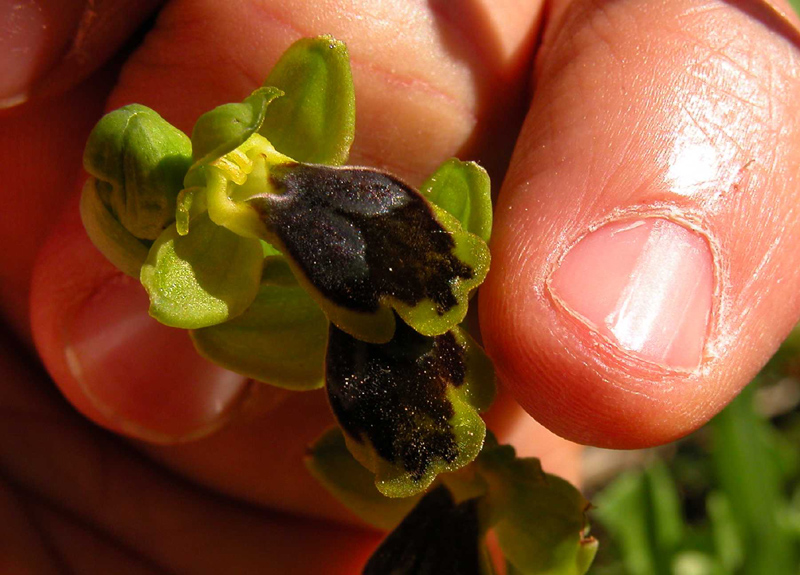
(437, 537)
(395, 394)
(359, 235)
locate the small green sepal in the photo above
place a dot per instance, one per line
(228, 126)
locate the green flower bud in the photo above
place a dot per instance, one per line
(139, 161)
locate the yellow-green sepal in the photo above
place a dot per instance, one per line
(314, 122)
(463, 189)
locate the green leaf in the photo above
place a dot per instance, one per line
(439, 536)
(315, 121)
(226, 127)
(280, 339)
(409, 408)
(539, 519)
(463, 190)
(363, 242)
(203, 278)
(139, 160)
(117, 244)
(351, 483)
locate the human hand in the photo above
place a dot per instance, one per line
(453, 100)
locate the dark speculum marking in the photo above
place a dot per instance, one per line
(437, 537)
(360, 234)
(394, 394)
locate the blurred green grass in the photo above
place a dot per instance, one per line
(726, 502)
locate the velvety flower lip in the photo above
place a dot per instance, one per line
(360, 235)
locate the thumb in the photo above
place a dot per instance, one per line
(645, 260)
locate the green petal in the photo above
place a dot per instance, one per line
(139, 160)
(117, 244)
(363, 242)
(280, 339)
(405, 406)
(315, 121)
(226, 127)
(350, 482)
(463, 189)
(539, 519)
(203, 278)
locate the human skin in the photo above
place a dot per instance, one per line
(625, 92)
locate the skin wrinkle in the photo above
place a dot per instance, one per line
(88, 551)
(46, 512)
(57, 558)
(16, 510)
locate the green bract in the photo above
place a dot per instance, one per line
(334, 466)
(539, 519)
(297, 271)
